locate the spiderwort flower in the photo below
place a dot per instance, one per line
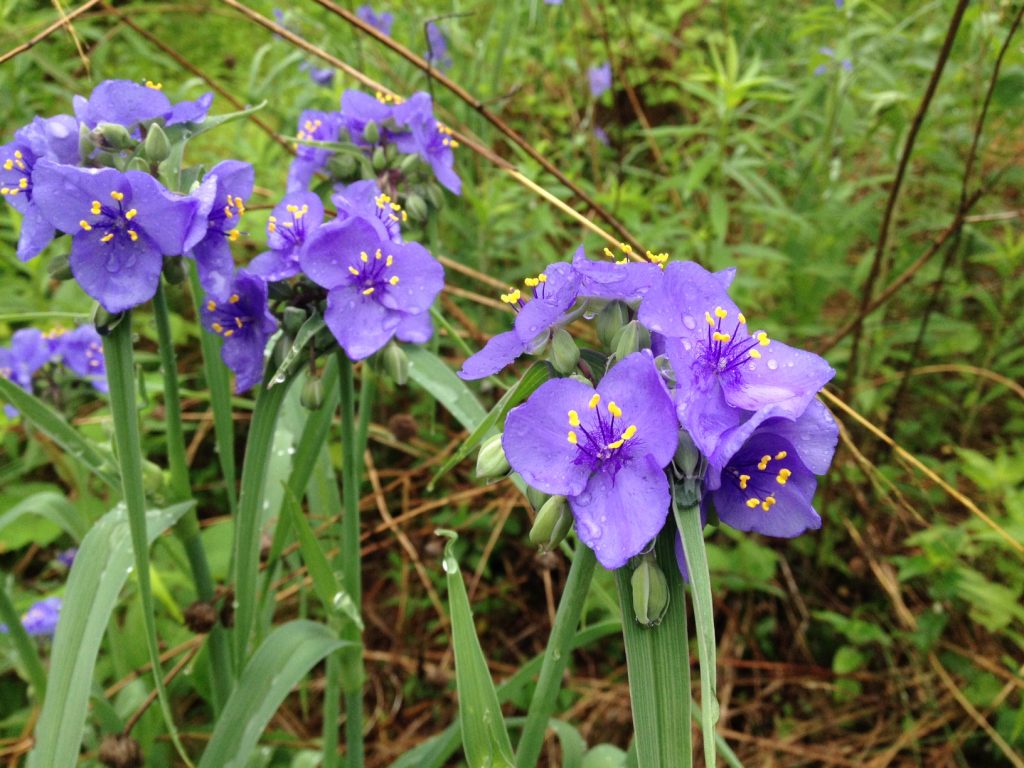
(382, 21)
(122, 225)
(222, 197)
(723, 370)
(81, 351)
(322, 76)
(433, 141)
(128, 103)
(358, 109)
(376, 289)
(600, 78)
(604, 450)
(364, 200)
(554, 292)
(437, 47)
(17, 162)
(314, 125)
(53, 137)
(29, 351)
(41, 619)
(619, 278)
(241, 318)
(290, 224)
(67, 556)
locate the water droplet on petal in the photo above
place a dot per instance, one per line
(689, 322)
(772, 365)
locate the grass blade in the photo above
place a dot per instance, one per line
(23, 645)
(431, 373)
(52, 506)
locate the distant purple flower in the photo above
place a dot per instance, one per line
(552, 2)
(29, 351)
(314, 125)
(322, 76)
(222, 197)
(382, 21)
(602, 136)
(437, 47)
(605, 451)
(41, 619)
(723, 370)
(290, 224)
(81, 351)
(376, 289)
(128, 103)
(554, 292)
(600, 79)
(840, 3)
(67, 557)
(358, 109)
(122, 225)
(431, 139)
(17, 162)
(825, 50)
(241, 318)
(364, 200)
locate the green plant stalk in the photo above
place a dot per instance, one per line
(117, 350)
(23, 645)
(556, 657)
(659, 669)
(247, 522)
(350, 562)
(187, 529)
(220, 397)
(331, 710)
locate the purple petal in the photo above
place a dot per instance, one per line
(784, 376)
(415, 329)
(676, 304)
(635, 386)
(190, 111)
(36, 233)
(334, 247)
(609, 280)
(274, 265)
(120, 274)
(166, 217)
(420, 278)
(64, 193)
(215, 263)
(360, 324)
(501, 351)
(122, 102)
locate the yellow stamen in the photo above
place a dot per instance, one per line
(239, 323)
(707, 316)
(762, 338)
(763, 463)
(133, 235)
(354, 271)
(96, 208)
(572, 438)
(364, 256)
(753, 503)
(617, 444)
(723, 337)
(742, 319)
(574, 419)
(389, 261)
(630, 431)
(783, 476)
(781, 455)
(154, 86)
(233, 235)
(594, 401)
(744, 479)
(217, 327)
(211, 305)
(119, 196)
(234, 298)
(768, 503)
(23, 183)
(85, 225)
(755, 354)
(131, 214)
(394, 280)
(368, 291)
(378, 255)
(719, 312)
(228, 334)
(107, 237)
(613, 409)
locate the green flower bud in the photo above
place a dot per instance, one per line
(408, 163)
(112, 136)
(631, 338)
(564, 353)
(379, 160)
(282, 347)
(104, 321)
(535, 497)
(293, 319)
(432, 192)
(416, 207)
(687, 456)
(342, 165)
(371, 133)
(85, 143)
(59, 268)
(174, 270)
(312, 397)
(152, 477)
(610, 321)
(553, 523)
(396, 363)
(604, 756)
(491, 462)
(157, 147)
(650, 593)
(137, 164)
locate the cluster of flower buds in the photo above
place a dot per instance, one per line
(685, 401)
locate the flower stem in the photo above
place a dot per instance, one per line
(658, 661)
(117, 350)
(187, 528)
(556, 656)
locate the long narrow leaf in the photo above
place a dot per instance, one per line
(431, 373)
(52, 506)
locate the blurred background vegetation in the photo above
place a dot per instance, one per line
(762, 135)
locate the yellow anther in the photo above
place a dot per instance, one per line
(233, 235)
(783, 476)
(768, 503)
(119, 196)
(368, 291)
(228, 212)
(272, 224)
(239, 323)
(354, 271)
(572, 438)
(615, 445)
(762, 338)
(378, 255)
(718, 336)
(133, 235)
(744, 479)
(96, 209)
(542, 277)
(630, 432)
(154, 86)
(719, 312)
(707, 316)
(512, 297)
(85, 225)
(218, 328)
(753, 503)
(364, 256)
(131, 214)
(229, 333)
(781, 455)
(234, 298)
(394, 280)
(594, 400)
(211, 305)
(574, 419)
(763, 463)
(292, 208)
(613, 409)
(23, 183)
(8, 165)
(608, 253)
(755, 354)
(531, 282)
(742, 319)
(389, 261)
(107, 237)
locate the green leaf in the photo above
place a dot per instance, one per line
(309, 329)
(48, 505)
(434, 375)
(101, 567)
(533, 378)
(284, 658)
(53, 425)
(484, 736)
(573, 745)
(186, 131)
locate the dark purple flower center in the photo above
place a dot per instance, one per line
(228, 318)
(391, 215)
(759, 478)
(372, 275)
(115, 222)
(16, 175)
(604, 439)
(226, 217)
(725, 350)
(293, 231)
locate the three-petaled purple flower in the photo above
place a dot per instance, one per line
(600, 78)
(29, 351)
(604, 450)
(289, 226)
(17, 162)
(437, 47)
(364, 200)
(81, 351)
(723, 370)
(122, 225)
(377, 289)
(128, 103)
(314, 125)
(40, 620)
(222, 197)
(431, 139)
(240, 316)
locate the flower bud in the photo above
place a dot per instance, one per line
(604, 756)
(112, 136)
(396, 363)
(312, 397)
(157, 147)
(379, 160)
(292, 319)
(104, 321)
(59, 268)
(417, 207)
(174, 270)
(342, 165)
(491, 462)
(432, 192)
(553, 523)
(407, 163)
(610, 321)
(371, 133)
(650, 593)
(152, 478)
(137, 164)
(564, 353)
(687, 457)
(631, 338)
(535, 497)
(200, 617)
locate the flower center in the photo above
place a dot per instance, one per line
(116, 222)
(293, 231)
(722, 352)
(391, 214)
(446, 134)
(759, 480)
(603, 439)
(371, 276)
(16, 178)
(224, 219)
(228, 319)
(515, 296)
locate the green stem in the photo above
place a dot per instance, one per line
(23, 645)
(117, 350)
(187, 528)
(556, 657)
(659, 668)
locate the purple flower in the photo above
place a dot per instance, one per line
(382, 21)
(619, 279)
(122, 225)
(190, 111)
(600, 79)
(825, 50)
(314, 125)
(41, 619)
(602, 135)
(17, 163)
(723, 370)
(376, 289)
(554, 292)
(322, 76)
(241, 318)
(289, 226)
(605, 451)
(81, 350)
(552, 2)
(358, 109)
(55, 138)
(437, 47)
(364, 200)
(222, 197)
(434, 143)
(127, 103)
(67, 557)
(29, 351)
